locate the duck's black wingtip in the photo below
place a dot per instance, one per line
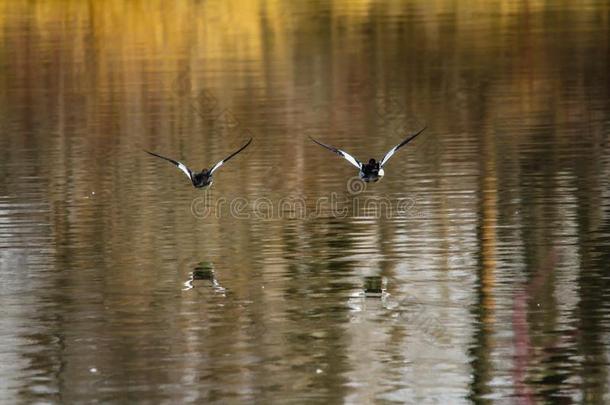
(245, 145)
(316, 141)
(155, 155)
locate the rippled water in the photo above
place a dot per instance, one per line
(476, 270)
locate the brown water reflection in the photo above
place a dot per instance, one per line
(495, 277)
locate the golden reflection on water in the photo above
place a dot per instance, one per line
(514, 165)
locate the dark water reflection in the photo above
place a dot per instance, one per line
(120, 282)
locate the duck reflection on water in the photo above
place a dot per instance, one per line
(203, 273)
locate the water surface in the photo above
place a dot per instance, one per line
(475, 270)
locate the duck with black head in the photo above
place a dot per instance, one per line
(204, 177)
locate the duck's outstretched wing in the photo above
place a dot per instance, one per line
(341, 153)
(179, 165)
(392, 151)
(217, 165)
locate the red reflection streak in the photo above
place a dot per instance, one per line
(522, 341)
(522, 348)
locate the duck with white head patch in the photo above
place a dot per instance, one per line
(373, 170)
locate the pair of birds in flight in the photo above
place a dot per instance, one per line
(371, 171)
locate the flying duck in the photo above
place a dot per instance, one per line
(373, 170)
(203, 178)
